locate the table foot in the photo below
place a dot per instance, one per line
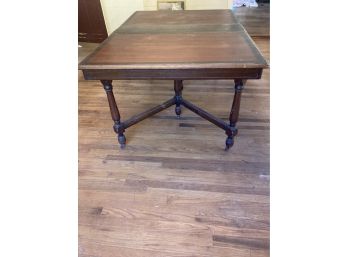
(178, 111)
(229, 142)
(122, 141)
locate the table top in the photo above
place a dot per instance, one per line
(177, 39)
(194, 44)
(186, 17)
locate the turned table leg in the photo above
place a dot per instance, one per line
(178, 86)
(115, 114)
(239, 84)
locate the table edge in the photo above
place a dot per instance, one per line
(172, 74)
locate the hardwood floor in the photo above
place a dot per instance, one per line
(255, 20)
(173, 191)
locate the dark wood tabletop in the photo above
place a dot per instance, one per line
(199, 44)
(186, 17)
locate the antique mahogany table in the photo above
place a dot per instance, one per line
(176, 45)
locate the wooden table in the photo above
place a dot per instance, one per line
(176, 45)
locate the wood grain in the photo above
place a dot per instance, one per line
(182, 41)
(194, 17)
(173, 191)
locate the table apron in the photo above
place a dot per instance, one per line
(172, 74)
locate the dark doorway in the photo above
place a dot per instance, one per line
(91, 22)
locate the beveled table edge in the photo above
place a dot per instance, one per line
(172, 66)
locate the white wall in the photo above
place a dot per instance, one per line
(117, 11)
(150, 5)
(206, 4)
